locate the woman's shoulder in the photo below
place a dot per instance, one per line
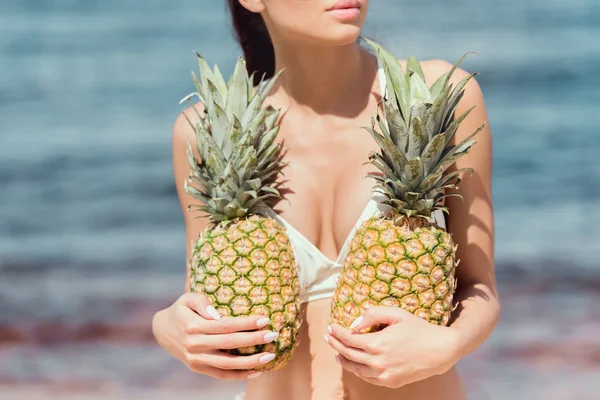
(433, 69)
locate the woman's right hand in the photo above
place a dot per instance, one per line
(193, 332)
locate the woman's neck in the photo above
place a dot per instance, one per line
(324, 78)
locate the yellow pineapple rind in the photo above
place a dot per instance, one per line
(423, 282)
(246, 267)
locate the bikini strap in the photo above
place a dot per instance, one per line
(382, 79)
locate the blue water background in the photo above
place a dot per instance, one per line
(90, 227)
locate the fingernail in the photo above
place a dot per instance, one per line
(337, 360)
(269, 337)
(254, 375)
(262, 322)
(326, 339)
(266, 358)
(329, 329)
(356, 322)
(213, 312)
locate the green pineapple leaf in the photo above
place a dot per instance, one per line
(436, 113)
(433, 151)
(237, 94)
(419, 92)
(439, 86)
(455, 125)
(414, 67)
(414, 132)
(413, 173)
(396, 125)
(239, 163)
(417, 138)
(219, 82)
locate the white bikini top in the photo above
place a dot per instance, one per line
(317, 273)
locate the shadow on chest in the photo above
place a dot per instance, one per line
(325, 185)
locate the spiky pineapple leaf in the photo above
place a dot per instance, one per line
(239, 161)
(456, 124)
(413, 132)
(269, 86)
(455, 98)
(384, 190)
(433, 151)
(219, 82)
(204, 93)
(219, 123)
(455, 67)
(272, 115)
(237, 94)
(439, 85)
(399, 189)
(461, 147)
(419, 92)
(382, 127)
(413, 173)
(436, 113)
(216, 95)
(251, 112)
(389, 149)
(205, 72)
(418, 138)
(398, 83)
(378, 161)
(414, 67)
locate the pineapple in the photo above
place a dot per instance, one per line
(402, 258)
(243, 261)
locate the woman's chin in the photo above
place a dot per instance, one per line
(342, 35)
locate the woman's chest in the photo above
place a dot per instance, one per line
(325, 187)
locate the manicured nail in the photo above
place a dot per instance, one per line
(266, 358)
(262, 322)
(356, 322)
(210, 310)
(269, 337)
(254, 375)
(326, 339)
(337, 360)
(329, 329)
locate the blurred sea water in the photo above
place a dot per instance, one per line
(91, 234)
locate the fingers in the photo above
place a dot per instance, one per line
(376, 315)
(211, 321)
(362, 341)
(226, 361)
(228, 325)
(351, 353)
(358, 369)
(197, 343)
(200, 304)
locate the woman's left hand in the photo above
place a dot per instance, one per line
(407, 350)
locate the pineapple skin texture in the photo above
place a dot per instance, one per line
(395, 266)
(248, 268)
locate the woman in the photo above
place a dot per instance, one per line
(329, 90)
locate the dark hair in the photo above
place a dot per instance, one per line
(253, 37)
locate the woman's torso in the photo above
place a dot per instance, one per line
(327, 192)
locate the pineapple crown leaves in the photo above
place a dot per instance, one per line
(414, 132)
(240, 160)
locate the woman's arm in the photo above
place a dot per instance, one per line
(471, 222)
(182, 135)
